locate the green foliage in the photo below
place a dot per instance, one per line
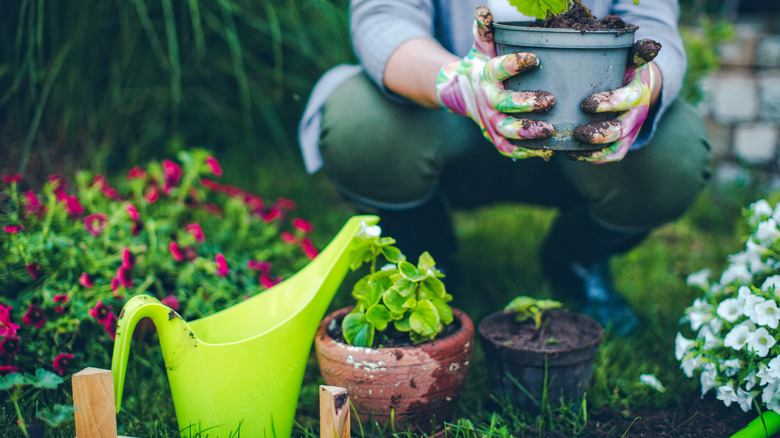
(539, 8)
(701, 47)
(400, 299)
(71, 254)
(525, 307)
(112, 81)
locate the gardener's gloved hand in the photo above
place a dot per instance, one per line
(642, 79)
(473, 87)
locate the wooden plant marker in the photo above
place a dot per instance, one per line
(93, 397)
(334, 412)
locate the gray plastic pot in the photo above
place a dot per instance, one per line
(574, 65)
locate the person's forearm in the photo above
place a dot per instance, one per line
(412, 69)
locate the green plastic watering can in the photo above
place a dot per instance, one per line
(241, 369)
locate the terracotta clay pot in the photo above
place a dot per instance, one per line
(517, 354)
(419, 384)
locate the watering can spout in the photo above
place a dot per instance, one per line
(242, 368)
(175, 336)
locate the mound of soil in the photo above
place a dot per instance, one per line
(579, 17)
(697, 417)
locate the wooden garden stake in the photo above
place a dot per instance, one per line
(93, 397)
(334, 412)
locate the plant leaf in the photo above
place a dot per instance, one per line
(410, 272)
(394, 301)
(57, 415)
(46, 379)
(402, 325)
(12, 380)
(378, 316)
(392, 254)
(431, 288)
(444, 310)
(425, 262)
(357, 330)
(538, 8)
(425, 319)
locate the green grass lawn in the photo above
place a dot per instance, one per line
(498, 259)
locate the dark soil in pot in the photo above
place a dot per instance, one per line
(520, 358)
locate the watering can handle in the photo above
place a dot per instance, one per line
(137, 308)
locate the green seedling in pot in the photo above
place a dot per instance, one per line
(398, 300)
(540, 8)
(525, 308)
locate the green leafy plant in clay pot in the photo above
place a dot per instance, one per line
(580, 55)
(538, 352)
(401, 351)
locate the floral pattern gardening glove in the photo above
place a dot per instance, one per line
(633, 100)
(473, 87)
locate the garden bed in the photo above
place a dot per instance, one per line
(696, 417)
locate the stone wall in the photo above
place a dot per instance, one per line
(742, 100)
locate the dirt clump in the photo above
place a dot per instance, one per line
(580, 18)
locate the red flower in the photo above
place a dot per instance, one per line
(267, 281)
(73, 207)
(171, 301)
(124, 277)
(62, 362)
(171, 172)
(132, 211)
(214, 166)
(114, 284)
(33, 204)
(136, 229)
(34, 316)
(100, 312)
(128, 259)
(10, 179)
(302, 225)
(272, 214)
(196, 232)
(258, 265)
(58, 182)
(285, 204)
(175, 252)
(104, 187)
(152, 194)
(110, 325)
(7, 328)
(287, 237)
(308, 248)
(136, 172)
(10, 346)
(86, 280)
(8, 369)
(95, 223)
(222, 267)
(13, 228)
(34, 269)
(62, 298)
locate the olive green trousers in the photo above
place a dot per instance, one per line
(395, 155)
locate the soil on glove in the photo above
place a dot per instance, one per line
(579, 17)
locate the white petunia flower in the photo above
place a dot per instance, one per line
(763, 375)
(761, 209)
(754, 257)
(699, 313)
(369, 230)
(708, 379)
(682, 346)
(709, 338)
(729, 309)
(770, 393)
(736, 271)
(727, 394)
(760, 341)
(773, 369)
(737, 337)
(749, 301)
(750, 380)
(745, 398)
(767, 233)
(731, 367)
(651, 381)
(771, 284)
(690, 365)
(767, 314)
(700, 279)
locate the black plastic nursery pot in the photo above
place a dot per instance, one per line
(573, 65)
(521, 360)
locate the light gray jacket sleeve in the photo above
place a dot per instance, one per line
(657, 20)
(378, 27)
